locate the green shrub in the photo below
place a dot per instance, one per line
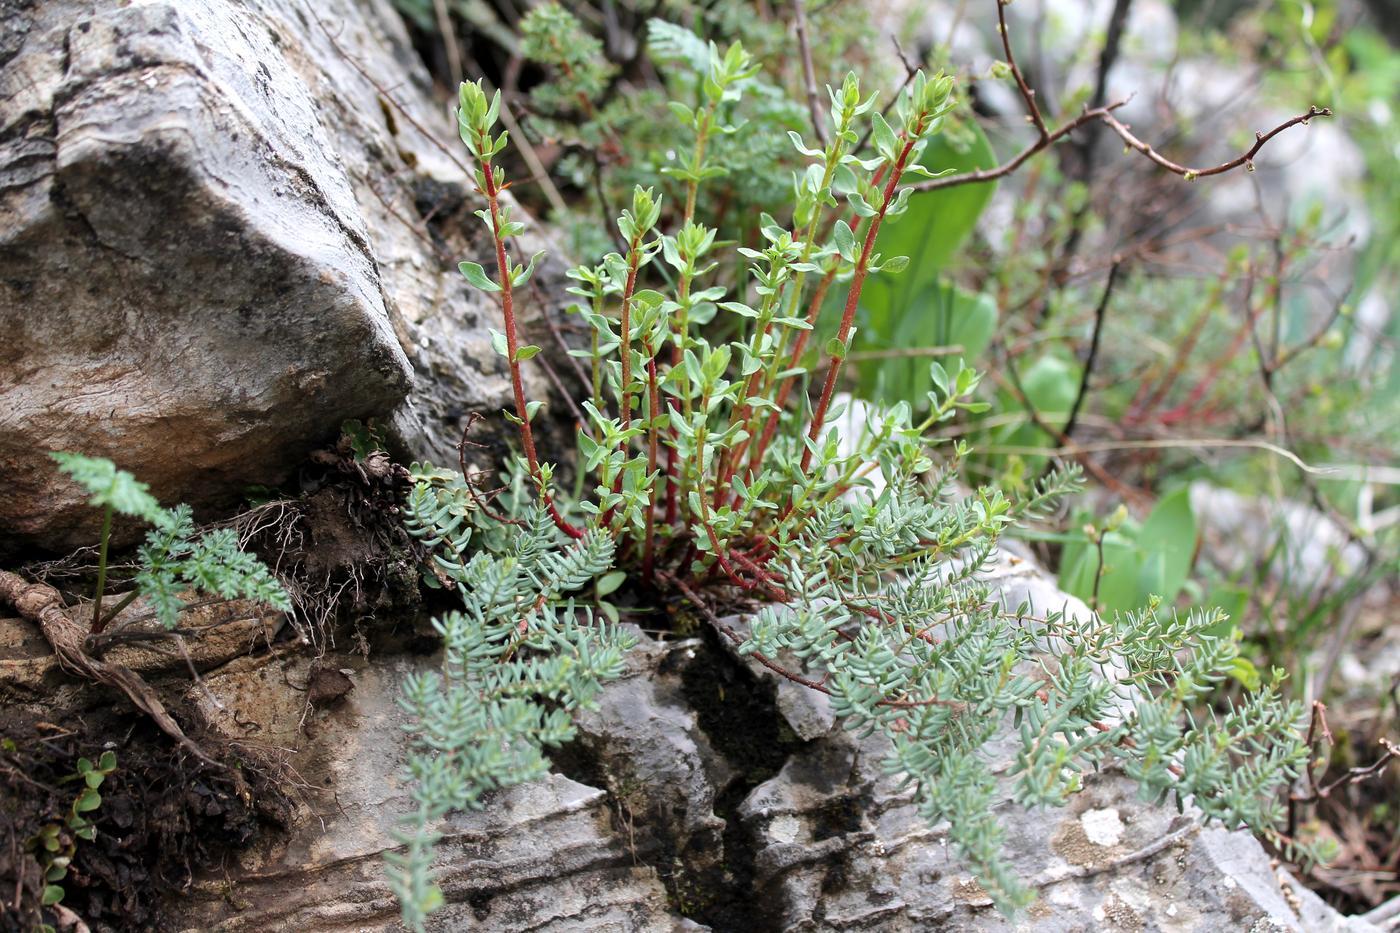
(708, 471)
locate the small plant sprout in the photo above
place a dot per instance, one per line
(176, 556)
(57, 843)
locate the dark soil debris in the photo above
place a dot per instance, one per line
(163, 816)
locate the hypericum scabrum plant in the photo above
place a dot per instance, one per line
(710, 468)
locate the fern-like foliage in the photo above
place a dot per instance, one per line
(176, 557)
(519, 659)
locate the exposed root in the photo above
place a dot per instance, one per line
(42, 605)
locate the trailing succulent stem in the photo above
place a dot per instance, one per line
(520, 658)
(701, 474)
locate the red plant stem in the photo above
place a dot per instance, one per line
(848, 316)
(653, 413)
(814, 310)
(710, 533)
(730, 461)
(765, 579)
(517, 382)
(625, 402)
(672, 457)
(799, 347)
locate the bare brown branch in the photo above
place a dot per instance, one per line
(809, 74)
(1246, 159)
(1103, 114)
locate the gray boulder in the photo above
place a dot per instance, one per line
(223, 232)
(543, 856)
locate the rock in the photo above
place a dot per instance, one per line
(696, 797)
(222, 233)
(830, 842)
(852, 854)
(29, 670)
(1237, 530)
(839, 846)
(187, 281)
(542, 856)
(646, 744)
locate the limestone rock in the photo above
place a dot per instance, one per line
(837, 845)
(540, 857)
(224, 229)
(1107, 862)
(187, 283)
(694, 799)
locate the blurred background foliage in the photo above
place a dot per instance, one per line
(1219, 354)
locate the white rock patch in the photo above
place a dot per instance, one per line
(1102, 827)
(784, 828)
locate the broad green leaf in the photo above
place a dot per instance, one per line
(1168, 545)
(1050, 384)
(1117, 589)
(932, 229)
(1233, 601)
(947, 316)
(1140, 562)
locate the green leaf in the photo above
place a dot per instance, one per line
(498, 343)
(526, 352)
(947, 316)
(916, 309)
(609, 582)
(845, 241)
(521, 276)
(883, 136)
(936, 222)
(1117, 590)
(1140, 562)
(52, 895)
(1168, 544)
(478, 277)
(1243, 670)
(1232, 601)
(1050, 384)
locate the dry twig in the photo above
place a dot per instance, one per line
(1046, 137)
